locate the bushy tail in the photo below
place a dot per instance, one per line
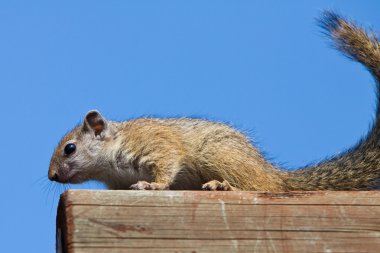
(359, 167)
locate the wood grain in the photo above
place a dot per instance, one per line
(196, 221)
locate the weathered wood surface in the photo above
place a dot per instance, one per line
(184, 221)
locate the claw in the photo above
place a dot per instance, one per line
(143, 185)
(215, 185)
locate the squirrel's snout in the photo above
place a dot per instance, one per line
(53, 170)
(53, 176)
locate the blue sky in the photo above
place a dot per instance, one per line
(260, 65)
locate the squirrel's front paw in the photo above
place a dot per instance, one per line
(215, 185)
(143, 185)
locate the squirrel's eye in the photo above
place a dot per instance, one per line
(70, 148)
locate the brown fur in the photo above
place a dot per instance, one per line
(158, 154)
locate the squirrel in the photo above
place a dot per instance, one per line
(193, 154)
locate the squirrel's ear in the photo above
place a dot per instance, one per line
(94, 122)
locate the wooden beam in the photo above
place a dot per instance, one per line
(196, 221)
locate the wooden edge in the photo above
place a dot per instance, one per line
(119, 197)
(62, 224)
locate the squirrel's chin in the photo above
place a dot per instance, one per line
(72, 178)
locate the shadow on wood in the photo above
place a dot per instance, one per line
(196, 221)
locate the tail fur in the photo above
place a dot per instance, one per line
(359, 167)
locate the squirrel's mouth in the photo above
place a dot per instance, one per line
(73, 177)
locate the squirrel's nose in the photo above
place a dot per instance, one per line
(53, 176)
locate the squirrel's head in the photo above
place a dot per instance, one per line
(77, 155)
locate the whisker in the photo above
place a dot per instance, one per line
(48, 189)
(39, 180)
